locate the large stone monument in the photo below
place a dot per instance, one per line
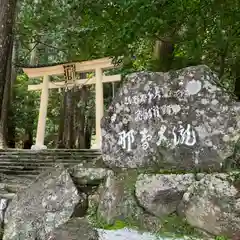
(179, 120)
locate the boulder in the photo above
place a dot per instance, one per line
(94, 200)
(91, 176)
(179, 120)
(213, 205)
(118, 203)
(74, 229)
(3, 207)
(160, 194)
(86, 163)
(47, 203)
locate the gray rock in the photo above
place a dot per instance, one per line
(117, 202)
(177, 120)
(94, 163)
(94, 200)
(92, 176)
(199, 176)
(44, 205)
(3, 207)
(160, 194)
(213, 205)
(74, 229)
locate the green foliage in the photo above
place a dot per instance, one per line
(171, 226)
(174, 225)
(117, 225)
(25, 106)
(203, 32)
(221, 238)
(232, 163)
(234, 178)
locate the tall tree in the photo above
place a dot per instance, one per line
(6, 100)
(7, 16)
(7, 13)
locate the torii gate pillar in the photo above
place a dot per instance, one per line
(42, 117)
(99, 106)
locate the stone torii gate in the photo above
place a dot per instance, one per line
(69, 70)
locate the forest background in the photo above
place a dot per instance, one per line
(144, 35)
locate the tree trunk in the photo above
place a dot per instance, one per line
(6, 101)
(33, 55)
(88, 132)
(163, 55)
(82, 118)
(11, 123)
(237, 78)
(61, 143)
(7, 14)
(222, 64)
(68, 120)
(73, 128)
(11, 128)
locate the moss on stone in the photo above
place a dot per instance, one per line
(177, 226)
(234, 179)
(171, 226)
(135, 217)
(221, 238)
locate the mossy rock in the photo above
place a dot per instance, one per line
(118, 203)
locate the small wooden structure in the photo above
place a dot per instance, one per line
(69, 70)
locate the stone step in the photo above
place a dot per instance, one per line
(27, 176)
(22, 165)
(15, 169)
(50, 151)
(28, 157)
(29, 166)
(13, 179)
(25, 162)
(21, 171)
(48, 156)
(40, 162)
(47, 159)
(37, 159)
(12, 187)
(6, 194)
(51, 156)
(53, 149)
